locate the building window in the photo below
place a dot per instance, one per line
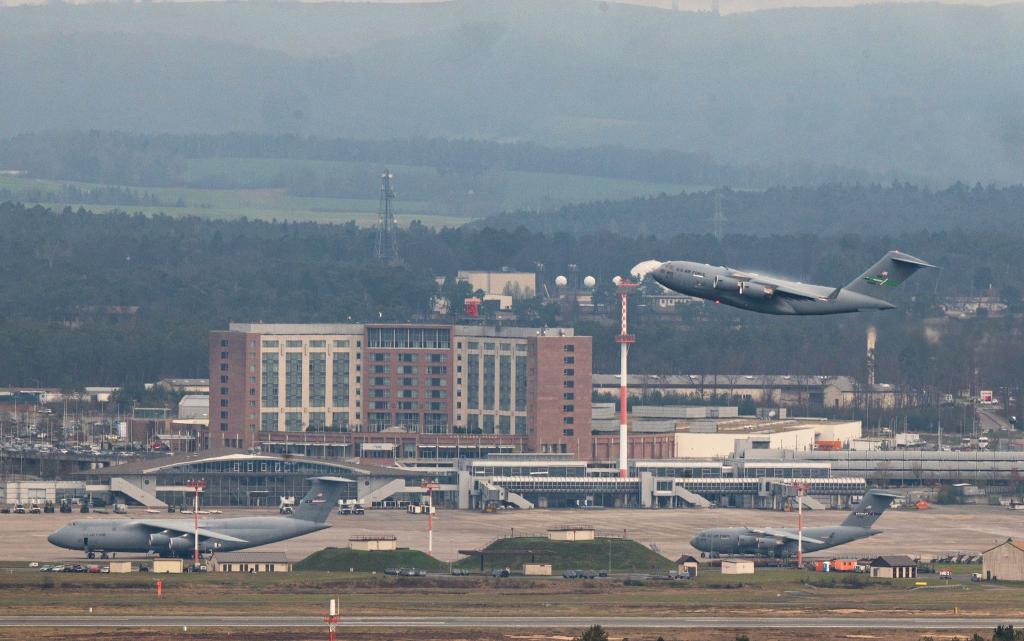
(271, 388)
(568, 396)
(567, 420)
(520, 383)
(567, 432)
(567, 384)
(408, 337)
(223, 367)
(488, 382)
(223, 354)
(568, 347)
(473, 383)
(567, 408)
(268, 422)
(520, 425)
(270, 343)
(317, 379)
(341, 343)
(318, 343)
(505, 424)
(340, 380)
(293, 421)
(505, 383)
(569, 371)
(293, 379)
(293, 343)
(223, 343)
(569, 360)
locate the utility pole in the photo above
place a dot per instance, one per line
(332, 620)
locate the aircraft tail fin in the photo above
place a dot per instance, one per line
(323, 497)
(893, 268)
(865, 513)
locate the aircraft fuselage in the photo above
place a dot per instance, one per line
(769, 296)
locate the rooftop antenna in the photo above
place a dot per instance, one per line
(387, 240)
(718, 219)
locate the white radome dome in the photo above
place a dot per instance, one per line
(589, 282)
(561, 281)
(617, 280)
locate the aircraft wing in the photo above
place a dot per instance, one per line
(160, 526)
(794, 291)
(783, 534)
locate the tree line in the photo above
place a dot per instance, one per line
(123, 298)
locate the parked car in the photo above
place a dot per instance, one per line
(460, 572)
(33, 564)
(391, 571)
(569, 574)
(501, 573)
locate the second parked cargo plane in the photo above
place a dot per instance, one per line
(782, 542)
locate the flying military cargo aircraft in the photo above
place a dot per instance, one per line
(782, 542)
(176, 537)
(771, 295)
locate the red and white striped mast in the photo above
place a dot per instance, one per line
(624, 339)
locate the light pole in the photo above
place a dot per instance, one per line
(801, 488)
(197, 486)
(430, 486)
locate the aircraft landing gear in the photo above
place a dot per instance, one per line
(91, 555)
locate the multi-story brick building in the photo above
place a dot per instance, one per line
(395, 391)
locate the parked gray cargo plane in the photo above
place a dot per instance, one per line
(782, 542)
(176, 537)
(770, 295)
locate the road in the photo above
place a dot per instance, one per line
(859, 623)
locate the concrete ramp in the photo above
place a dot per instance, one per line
(135, 493)
(811, 503)
(508, 496)
(694, 499)
(384, 492)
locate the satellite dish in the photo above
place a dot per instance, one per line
(617, 280)
(589, 282)
(561, 281)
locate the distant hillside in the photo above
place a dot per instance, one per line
(920, 90)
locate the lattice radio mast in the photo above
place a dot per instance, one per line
(387, 239)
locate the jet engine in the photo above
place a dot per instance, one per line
(726, 283)
(746, 544)
(181, 543)
(159, 541)
(766, 545)
(755, 290)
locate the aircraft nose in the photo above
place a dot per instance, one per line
(57, 538)
(693, 541)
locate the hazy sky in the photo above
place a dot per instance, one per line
(725, 6)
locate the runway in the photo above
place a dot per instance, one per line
(859, 623)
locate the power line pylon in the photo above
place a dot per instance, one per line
(387, 240)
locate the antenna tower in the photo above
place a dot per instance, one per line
(387, 241)
(718, 219)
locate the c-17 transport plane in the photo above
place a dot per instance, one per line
(771, 295)
(176, 537)
(782, 542)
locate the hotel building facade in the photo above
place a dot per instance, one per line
(401, 390)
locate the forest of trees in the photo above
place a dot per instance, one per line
(120, 298)
(827, 209)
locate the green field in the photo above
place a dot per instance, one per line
(768, 592)
(258, 188)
